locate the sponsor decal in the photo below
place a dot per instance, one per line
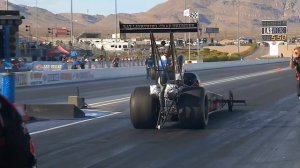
(39, 67)
(36, 78)
(66, 76)
(43, 67)
(36, 75)
(52, 77)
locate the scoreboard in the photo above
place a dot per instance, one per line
(274, 30)
(274, 37)
(271, 23)
(212, 30)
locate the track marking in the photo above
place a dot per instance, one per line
(243, 77)
(74, 123)
(99, 104)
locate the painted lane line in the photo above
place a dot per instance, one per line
(241, 77)
(108, 101)
(74, 123)
(96, 110)
(100, 104)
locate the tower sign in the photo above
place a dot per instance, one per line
(274, 32)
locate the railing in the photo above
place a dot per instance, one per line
(57, 65)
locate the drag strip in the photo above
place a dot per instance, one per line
(263, 133)
(93, 113)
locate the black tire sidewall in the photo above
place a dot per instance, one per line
(143, 108)
(192, 108)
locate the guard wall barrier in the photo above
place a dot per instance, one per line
(32, 78)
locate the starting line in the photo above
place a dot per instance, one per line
(90, 115)
(95, 113)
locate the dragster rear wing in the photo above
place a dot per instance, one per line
(158, 28)
(169, 28)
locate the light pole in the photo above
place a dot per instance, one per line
(50, 31)
(238, 26)
(116, 12)
(184, 21)
(28, 29)
(6, 4)
(72, 26)
(36, 23)
(189, 42)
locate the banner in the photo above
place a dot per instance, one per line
(195, 16)
(158, 28)
(186, 12)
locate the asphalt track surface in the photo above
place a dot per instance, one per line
(265, 133)
(260, 51)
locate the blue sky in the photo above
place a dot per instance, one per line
(92, 7)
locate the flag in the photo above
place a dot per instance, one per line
(195, 16)
(186, 12)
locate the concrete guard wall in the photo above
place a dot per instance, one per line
(54, 111)
(32, 78)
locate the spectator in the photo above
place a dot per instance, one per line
(295, 64)
(164, 62)
(82, 63)
(116, 61)
(15, 65)
(16, 148)
(2, 68)
(149, 65)
(33, 46)
(22, 48)
(64, 63)
(75, 63)
(101, 58)
(180, 61)
(166, 66)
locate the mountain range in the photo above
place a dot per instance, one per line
(230, 16)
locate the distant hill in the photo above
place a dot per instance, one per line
(216, 13)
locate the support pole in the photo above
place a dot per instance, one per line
(7, 62)
(8, 86)
(10, 20)
(8, 79)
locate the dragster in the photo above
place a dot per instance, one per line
(176, 95)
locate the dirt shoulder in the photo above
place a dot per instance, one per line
(230, 49)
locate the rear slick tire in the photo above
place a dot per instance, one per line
(193, 108)
(144, 109)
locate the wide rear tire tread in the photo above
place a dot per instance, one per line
(193, 108)
(144, 108)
